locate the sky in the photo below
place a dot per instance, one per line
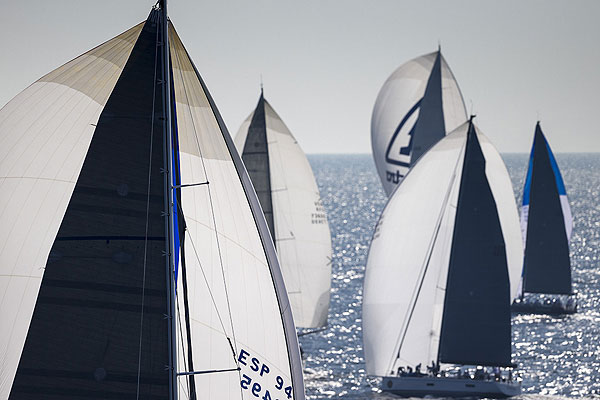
(323, 62)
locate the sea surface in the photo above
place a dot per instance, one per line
(557, 357)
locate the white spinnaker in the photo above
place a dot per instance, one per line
(45, 133)
(302, 233)
(230, 284)
(399, 94)
(409, 255)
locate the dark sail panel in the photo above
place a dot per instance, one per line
(256, 159)
(547, 267)
(430, 126)
(100, 315)
(476, 326)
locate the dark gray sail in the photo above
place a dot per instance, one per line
(99, 328)
(430, 127)
(476, 326)
(547, 267)
(256, 159)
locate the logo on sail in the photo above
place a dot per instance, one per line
(400, 146)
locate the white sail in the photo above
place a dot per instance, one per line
(45, 132)
(233, 321)
(408, 259)
(397, 108)
(302, 236)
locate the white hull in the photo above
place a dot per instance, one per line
(448, 387)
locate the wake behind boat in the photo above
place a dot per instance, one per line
(546, 224)
(438, 290)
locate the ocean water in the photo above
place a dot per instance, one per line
(558, 357)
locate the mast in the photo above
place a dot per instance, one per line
(169, 202)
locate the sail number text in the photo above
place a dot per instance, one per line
(259, 380)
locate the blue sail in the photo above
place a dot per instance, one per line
(546, 223)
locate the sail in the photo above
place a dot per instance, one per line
(406, 272)
(301, 231)
(415, 88)
(429, 127)
(84, 279)
(255, 155)
(476, 318)
(546, 222)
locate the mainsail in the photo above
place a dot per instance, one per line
(416, 106)
(406, 278)
(546, 223)
(290, 198)
(121, 185)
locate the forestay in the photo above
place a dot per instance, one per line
(284, 180)
(406, 272)
(399, 106)
(84, 283)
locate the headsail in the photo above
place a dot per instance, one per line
(546, 222)
(416, 91)
(83, 180)
(281, 172)
(405, 279)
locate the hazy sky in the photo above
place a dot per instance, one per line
(323, 62)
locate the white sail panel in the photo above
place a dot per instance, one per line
(397, 102)
(45, 132)
(231, 286)
(302, 235)
(407, 267)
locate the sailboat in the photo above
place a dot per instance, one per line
(546, 224)
(417, 105)
(437, 287)
(295, 215)
(135, 261)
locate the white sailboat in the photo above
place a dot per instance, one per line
(417, 105)
(135, 260)
(290, 199)
(442, 269)
(546, 223)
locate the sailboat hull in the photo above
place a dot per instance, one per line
(448, 387)
(544, 308)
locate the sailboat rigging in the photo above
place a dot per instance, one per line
(441, 272)
(135, 243)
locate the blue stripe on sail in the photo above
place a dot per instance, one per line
(527, 187)
(176, 181)
(559, 180)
